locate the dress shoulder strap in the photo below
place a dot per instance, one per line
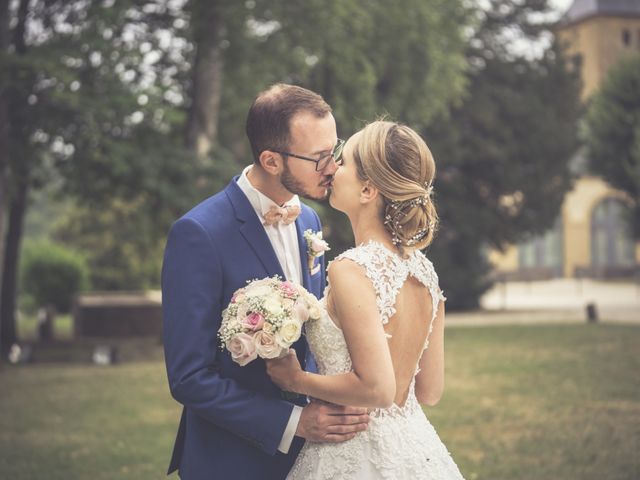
(421, 268)
(386, 271)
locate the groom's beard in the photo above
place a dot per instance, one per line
(296, 187)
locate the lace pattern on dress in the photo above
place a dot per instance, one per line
(388, 271)
(400, 442)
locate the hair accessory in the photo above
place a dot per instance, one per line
(396, 213)
(398, 209)
(429, 188)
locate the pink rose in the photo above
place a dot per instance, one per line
(289, 289)
(253, 321)
(319, 246)
(266, 344)
(301, 311)
(242, 348)
(238, 296)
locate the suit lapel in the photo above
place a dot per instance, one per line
(252, 230)
(302, 244)
(307, 361)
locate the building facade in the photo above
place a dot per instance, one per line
(591, 237)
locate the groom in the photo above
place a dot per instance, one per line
(236, 423)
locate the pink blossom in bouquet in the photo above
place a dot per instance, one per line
(264, 318)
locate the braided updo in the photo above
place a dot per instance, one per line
(398, 162)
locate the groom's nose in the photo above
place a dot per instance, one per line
(331, 167)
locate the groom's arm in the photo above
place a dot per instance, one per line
(191, 301)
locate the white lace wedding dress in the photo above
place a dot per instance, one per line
(400, 443)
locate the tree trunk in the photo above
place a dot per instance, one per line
(9, 290)
(4, 126)
(18, 203)
(209, 31)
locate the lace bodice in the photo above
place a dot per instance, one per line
(387, 272)
(400, 442)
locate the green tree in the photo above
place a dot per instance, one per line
(141, 104)
(503, 154)
(89, 106)
(371, 58)
(119, 258)
(612, 133)
(365, 57)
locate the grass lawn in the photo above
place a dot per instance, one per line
(522, 402)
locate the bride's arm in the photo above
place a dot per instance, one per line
(430, 380)
(372, 382)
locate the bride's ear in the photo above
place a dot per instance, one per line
(368, 193)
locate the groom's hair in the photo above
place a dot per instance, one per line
(271, 113)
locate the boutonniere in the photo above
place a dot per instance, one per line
(316, 247)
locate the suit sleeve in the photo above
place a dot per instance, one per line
(191, 302)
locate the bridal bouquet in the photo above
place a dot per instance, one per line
(265, 318)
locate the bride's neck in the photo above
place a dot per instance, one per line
(366, 228)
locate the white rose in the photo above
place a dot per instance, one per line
(310, 298)
(289, 332)
(242, 349)
(288, 303)
(266, 345)
(259, 283)
(272, 305)
(313, 305)
(257, 290)
(314, 312)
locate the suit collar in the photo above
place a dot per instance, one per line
(258, 200)
(252, 230)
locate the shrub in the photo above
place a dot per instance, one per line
(53, 274)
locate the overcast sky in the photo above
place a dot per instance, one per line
(561, 5)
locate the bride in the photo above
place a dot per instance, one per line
(380, 343)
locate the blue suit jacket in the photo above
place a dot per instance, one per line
(233, 417)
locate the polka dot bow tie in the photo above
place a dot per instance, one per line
(286, 214)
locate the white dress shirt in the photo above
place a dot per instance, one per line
(284, 239)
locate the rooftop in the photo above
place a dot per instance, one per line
(582, 9)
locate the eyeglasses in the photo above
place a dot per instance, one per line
(322, 161)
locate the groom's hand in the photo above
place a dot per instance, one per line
(324, 422)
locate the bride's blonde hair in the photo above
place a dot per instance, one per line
(398, 162)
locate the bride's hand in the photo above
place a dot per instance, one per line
(286, 372)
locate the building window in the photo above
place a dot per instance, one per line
(576, 61)
(626, 37)
(543, 252)
(612, 244)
